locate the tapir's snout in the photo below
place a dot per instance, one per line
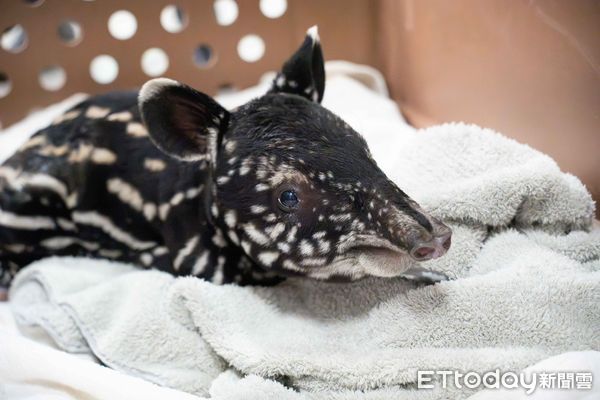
(408, 227)
(436, 247)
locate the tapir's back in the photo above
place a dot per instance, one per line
(103, 131)
(93, 164)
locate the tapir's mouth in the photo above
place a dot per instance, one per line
(361, 260)
(418, 249)
(369, 243)
(382, 248)
(393, 251)
(368, 255)
(379, 257)
(379, 261)
(378, 251)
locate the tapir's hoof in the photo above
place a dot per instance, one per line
(424, 276)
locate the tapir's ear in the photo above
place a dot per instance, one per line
(181, 121)
(304, 73)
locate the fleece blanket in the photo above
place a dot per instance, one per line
(525, 285)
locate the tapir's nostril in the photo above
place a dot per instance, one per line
(423, 253)
(446, 244)
(433, 249)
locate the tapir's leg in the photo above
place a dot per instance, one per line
(35, 217)
(424, 276)
(34, 221)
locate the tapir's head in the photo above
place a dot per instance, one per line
(294, 185)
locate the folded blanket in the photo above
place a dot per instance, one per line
(525, 265)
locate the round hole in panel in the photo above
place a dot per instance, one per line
(173, 19)
(273, 8)
(14, 39)
(155, 62)
(5, 85)
(52, 78)
(104, 69)
(122, 24)
(226, 11)
(204, 56)
(251, 48)
(70, 32)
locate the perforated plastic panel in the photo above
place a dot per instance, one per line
(49, 54)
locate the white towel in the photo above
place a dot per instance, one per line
(524, 262)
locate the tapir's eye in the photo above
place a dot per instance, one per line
(288, 200)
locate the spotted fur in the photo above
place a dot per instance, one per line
(167, 178)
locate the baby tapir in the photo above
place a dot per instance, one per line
(168, 178)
